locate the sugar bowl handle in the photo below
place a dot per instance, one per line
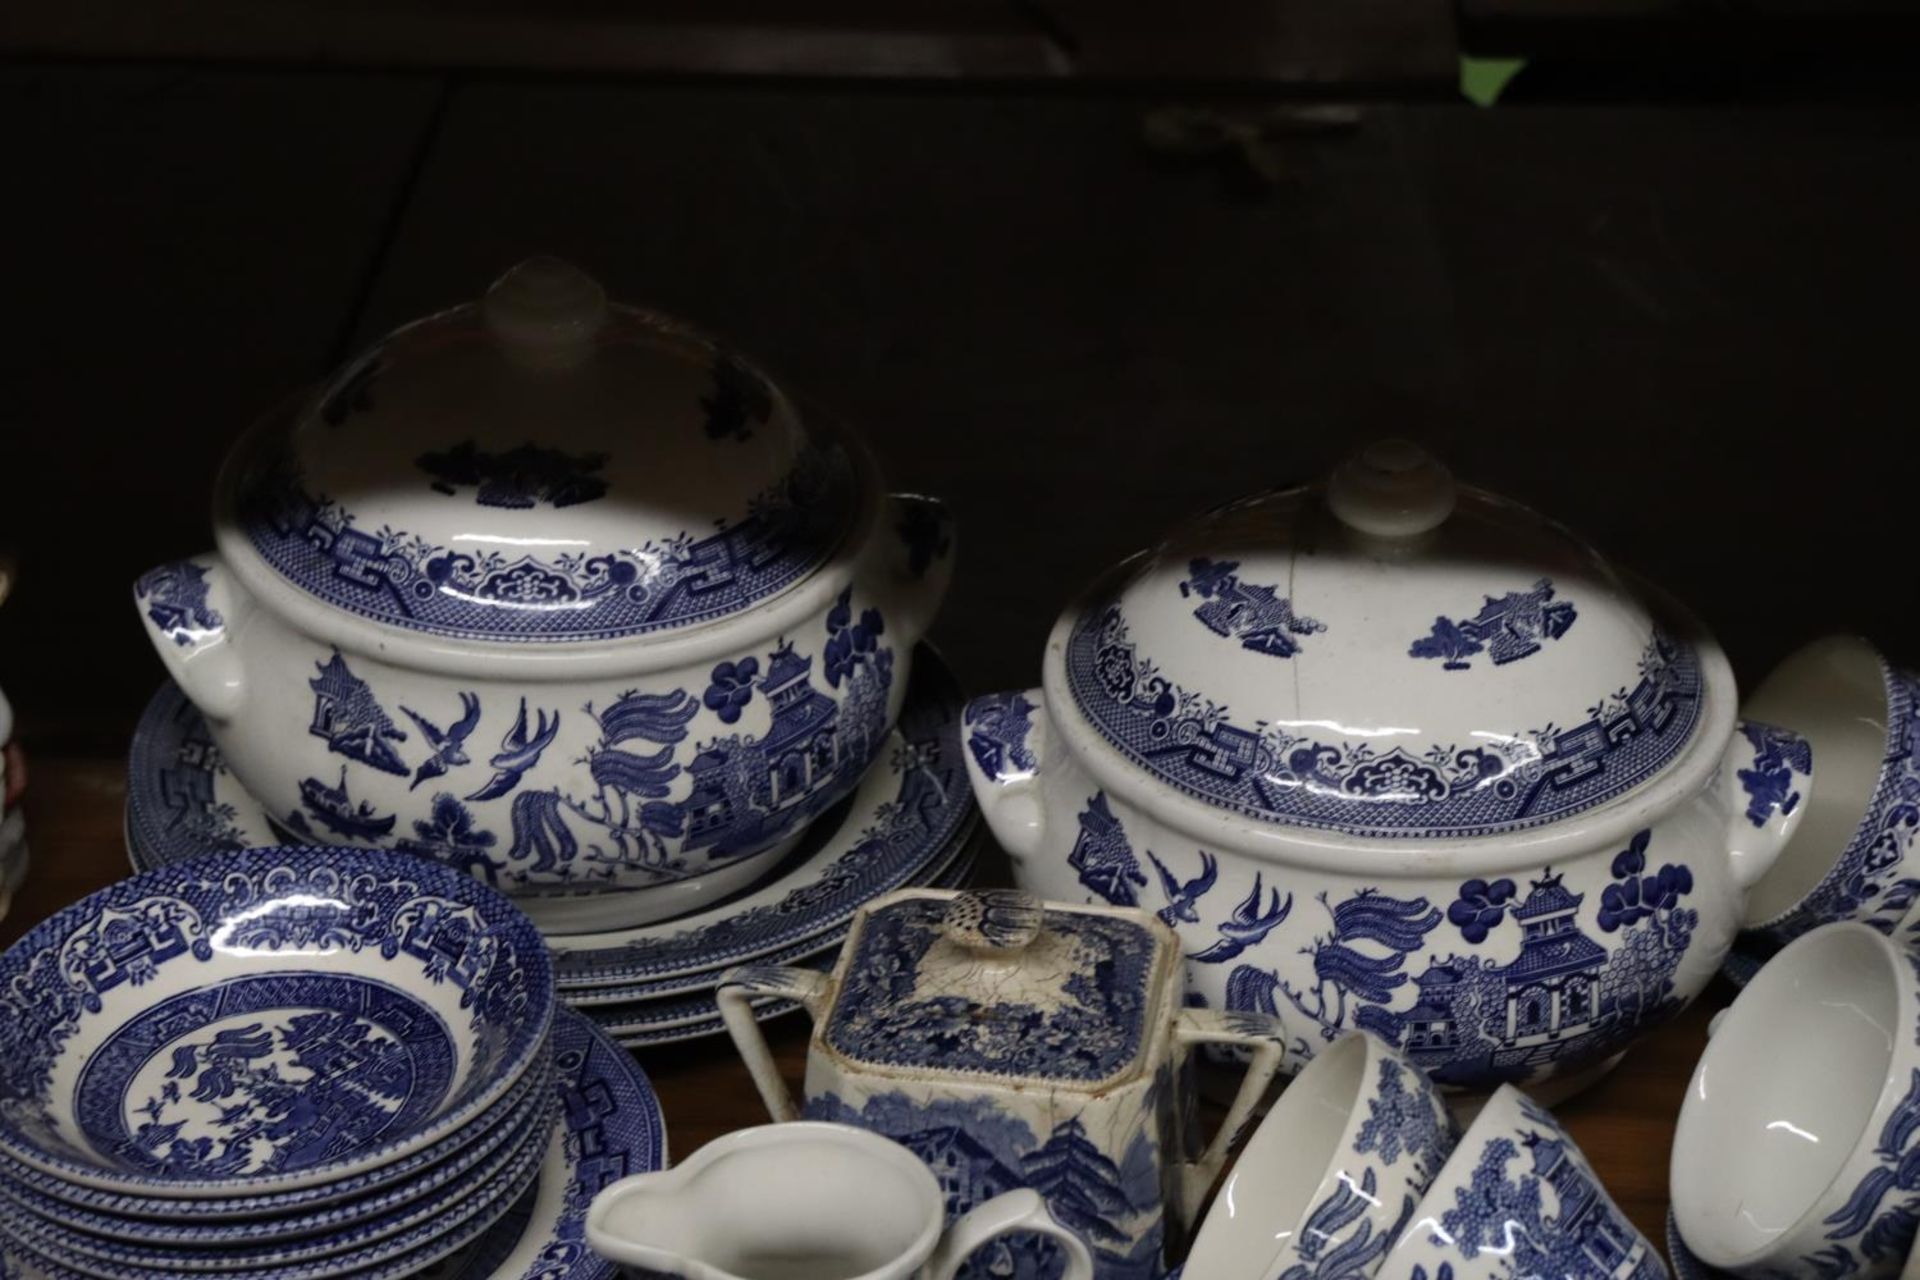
(1263, 1038)
(738, 988)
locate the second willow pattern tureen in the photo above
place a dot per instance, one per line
(558, 592)
(1394, 754)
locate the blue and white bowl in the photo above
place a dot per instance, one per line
(391, 1183)
(264, 1020)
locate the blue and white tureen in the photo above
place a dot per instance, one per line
(1397, 754)
(556, 591)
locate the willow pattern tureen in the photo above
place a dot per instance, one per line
(560, 592)
(1396, 754)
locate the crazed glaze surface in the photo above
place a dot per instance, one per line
(1011, 1044)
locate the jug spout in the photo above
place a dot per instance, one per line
(1007, 737)
(192, 609)
(1765, 780)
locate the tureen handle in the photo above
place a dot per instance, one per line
(916, 543)
(1765, 780)
(808, 988)
(1263, 1038)
(192, 609)
(1012, 1212)
(1006, 737)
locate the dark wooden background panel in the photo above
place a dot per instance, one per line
(181, 249)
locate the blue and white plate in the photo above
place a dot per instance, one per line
(374, 1191)
(385, 1211)
(954, 862)
(344, 1251)
(610, 1127)
(262, 1020)
(906, 813)
(1750, 951)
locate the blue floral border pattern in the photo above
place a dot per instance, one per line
(403, 580)
(1875, 879)
(1090, 1028)
(54, 978)
(1192, 744)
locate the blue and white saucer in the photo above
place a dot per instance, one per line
(912, 808)
(1750, 952)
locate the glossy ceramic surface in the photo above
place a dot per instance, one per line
(1518, 1201)
(1859, 714)
(606, 624)
(1803, 1115)
(142, 1221)
(398, 999)
(1016, 1044)
(1262, 731)
(828, 1200)
(611, 1128)
(489, 1189)
(1328, 1181)
(374, 1190)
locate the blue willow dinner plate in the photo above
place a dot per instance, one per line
(906, 813)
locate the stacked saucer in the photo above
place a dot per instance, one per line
(292, 1064)
(909, 822)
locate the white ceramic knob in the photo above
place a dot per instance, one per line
(1393, 490)
(545, 312)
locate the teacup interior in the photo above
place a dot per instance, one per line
(802, 1210)
(1265, 1200)
(1785, 1092)
(1833, 693)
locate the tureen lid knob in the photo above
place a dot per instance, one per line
(545, 311)
(1003, 920)
(1391, 489)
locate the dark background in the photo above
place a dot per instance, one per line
(1663, 291)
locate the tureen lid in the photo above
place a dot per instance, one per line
(544, 466)
(994, 985)
(1384, 655)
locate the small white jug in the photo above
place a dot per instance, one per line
(805, 1201)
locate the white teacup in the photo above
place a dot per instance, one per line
(1333, 1173)
(1788, 1156)
(1854, 855)
(1517, 1198)
(805, 1201)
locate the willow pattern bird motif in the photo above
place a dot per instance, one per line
(519, 752)
(449, 748)
(1182, 899)
(1248, 926)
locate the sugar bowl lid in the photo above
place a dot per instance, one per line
(1383, 655)
(543, 465)
(993, 985)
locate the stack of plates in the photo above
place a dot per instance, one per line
(911, 822)
(294, 1064)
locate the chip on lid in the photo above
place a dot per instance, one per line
(1386, 654)
(544, 465)
(993, 985)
